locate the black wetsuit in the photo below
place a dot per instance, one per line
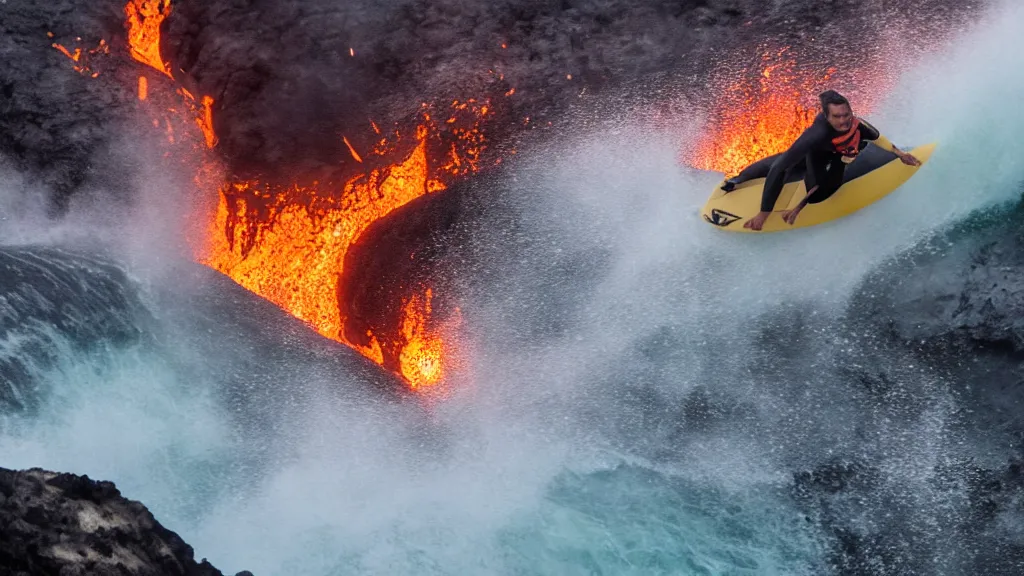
(825, 166)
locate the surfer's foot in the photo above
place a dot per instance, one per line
(729, 185)
(757, 222)
(790, 216)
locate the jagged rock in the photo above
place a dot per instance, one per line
(57, 124)
(874, 530)
(52, 523)
(949, 308)
(963, 289)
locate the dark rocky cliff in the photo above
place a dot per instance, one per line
(68, 524)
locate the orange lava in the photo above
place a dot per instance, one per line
(143, 22)
(80, 57)
(422, 356)
(292, 250)
(764, 113)
(293, 254)
(297, 259)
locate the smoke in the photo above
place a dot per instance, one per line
(23, 209)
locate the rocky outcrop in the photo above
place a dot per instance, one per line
(66, 524)
(873, 534)
(965, 288)
(932, 336)
(58, 125)
(956, 303)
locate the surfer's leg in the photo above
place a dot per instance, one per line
(828, 182)
(815, 176)
(756, 170)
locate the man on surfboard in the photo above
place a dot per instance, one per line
(827, 146)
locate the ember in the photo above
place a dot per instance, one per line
(81, 58)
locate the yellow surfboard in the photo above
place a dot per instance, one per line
(872, 176)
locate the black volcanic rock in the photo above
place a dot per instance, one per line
(871, 535)
(949, 308)
(67, 524)
(58, 125)
(964, 288)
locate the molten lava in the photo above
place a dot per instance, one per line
(422, 356)
(289, 245)
(293, 256)
(143, 22)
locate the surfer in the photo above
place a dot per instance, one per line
(827, 146)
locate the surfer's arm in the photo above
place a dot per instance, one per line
(884, 143)
(869, 132)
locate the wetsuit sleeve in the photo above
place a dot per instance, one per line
(869, 132)
(797, 152)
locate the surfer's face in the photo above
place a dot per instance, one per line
(840, 116)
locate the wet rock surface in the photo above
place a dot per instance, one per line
(67, 524)
(965, 291)
(57, 125)
(932, 352)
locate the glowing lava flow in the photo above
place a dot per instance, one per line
(296, 259)
(143, 22)
(292, 252)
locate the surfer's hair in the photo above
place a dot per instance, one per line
(831, 97)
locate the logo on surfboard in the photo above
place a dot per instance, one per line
(721, 217)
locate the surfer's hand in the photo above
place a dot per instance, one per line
(757, 222)
(909, 159)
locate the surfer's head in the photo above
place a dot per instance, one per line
(837, 110)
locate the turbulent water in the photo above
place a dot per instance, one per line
(643, 387)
